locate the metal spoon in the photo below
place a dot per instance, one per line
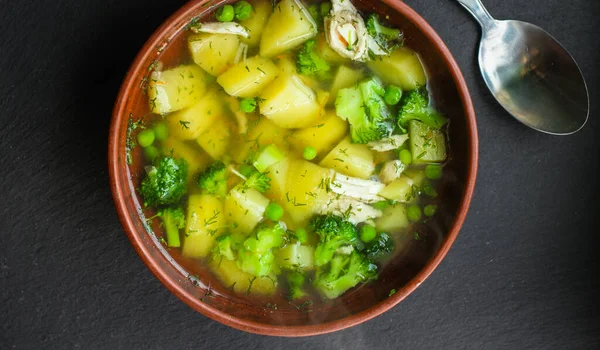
(532, 76)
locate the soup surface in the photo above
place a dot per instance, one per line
(294, 151)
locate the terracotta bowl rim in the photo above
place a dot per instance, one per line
(121, 191)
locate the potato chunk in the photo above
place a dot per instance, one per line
(239, 281)
(177, 88)
(248, 78)
(306, 190)
(322, 137)
(289, 103)
(394, 218)
(256, 23)
(402, 189)
(189, 123)
(264, 133)
(205, 221)
(244, 209)
(278, 173)
(290, 25)
(345, 77)
(352, 159)
(216, 138)
(402, 67)
(213, 52)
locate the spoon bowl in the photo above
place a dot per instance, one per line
(530, 74)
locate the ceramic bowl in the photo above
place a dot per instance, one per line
(279, 317)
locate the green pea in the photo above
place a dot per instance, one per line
(430, 210)
(309, 153)
(146, 138)
(433, 171)
(301, 235)
(248, 105)
(243, 10)
(150, 152)
(367, 233)
(392, 95)
(246, 170)
(225, 13)
(414, 213)
(161, 131)
(325, 8)
(405, 157)
(273, 211)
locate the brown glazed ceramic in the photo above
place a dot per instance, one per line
(277, 316)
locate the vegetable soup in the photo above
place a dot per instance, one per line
(294, 151)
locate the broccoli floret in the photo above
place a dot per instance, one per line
(387, 38)
(415, 105)
(308, 62)
(295, 280)
(382, 245)
(214, 179)
(364, 108)
(343, 273)
(165, 183)
(172, 219)
(259, 181)
(224, 247)
(256, 254)
(335, 234)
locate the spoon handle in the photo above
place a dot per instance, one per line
(479, 12)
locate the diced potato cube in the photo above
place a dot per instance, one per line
(213, 52)
(402, 68)
(234, 278)
(278, 174)
(286, 64)
(189, 123)
(248, 78)
(322, 137)
(205, 222)
(417, 175)
(289, 103)
(306, 189)
(262, 134)
(244, 209)
(296, 256)
(427, 145)
(256, 23)
(177, 88)
(196, 159)
(402, 189)
(290, 25)
(394, 218)
(352, 159)
(345, 77)
(215, 140)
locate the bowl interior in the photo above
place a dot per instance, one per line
(280, 317)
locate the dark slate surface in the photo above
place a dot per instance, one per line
(522, 274)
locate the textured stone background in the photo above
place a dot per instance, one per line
(522, 274)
